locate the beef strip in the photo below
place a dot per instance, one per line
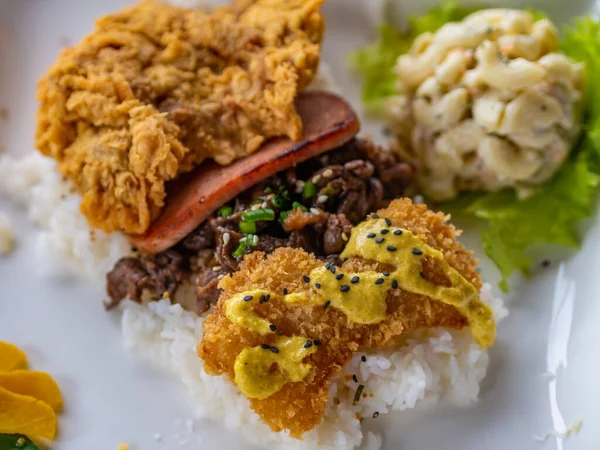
(207, 291)
(338, 231)
(159, 274)
(351, 181)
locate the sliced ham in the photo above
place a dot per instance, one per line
(328, 123)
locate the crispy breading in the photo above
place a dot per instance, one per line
(157, 89)
(298, 407)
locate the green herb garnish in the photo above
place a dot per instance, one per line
(310, 190)
(225, 211)
(257, 215)
(284, 215)
(247, 227)
(240, 249)
(297, 205)
(252, 240)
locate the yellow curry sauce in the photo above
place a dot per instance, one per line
(253, 367)
(261, 371)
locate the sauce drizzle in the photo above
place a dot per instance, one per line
(263, 370)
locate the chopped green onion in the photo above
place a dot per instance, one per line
(225, 211)
(284, 215)
(268, 190)
(328, 191)
(297, 205)
(256, 215)
(258, 201)
(285, 194)
(239, 251)
(247, 227)
(276, 202)
(252, 240)
(310, 189)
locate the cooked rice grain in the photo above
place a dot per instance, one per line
(431, 366)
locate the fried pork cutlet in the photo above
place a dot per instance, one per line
(157, 89)
(299, 406)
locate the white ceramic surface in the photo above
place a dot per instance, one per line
(544, 370)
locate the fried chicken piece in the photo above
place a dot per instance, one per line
(157, 89)
(299, 407)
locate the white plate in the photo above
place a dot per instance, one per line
(112, 397)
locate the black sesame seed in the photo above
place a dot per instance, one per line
(358, 393)
(308, 344)
(285, 291)
(317, 342)
(385, 231)
(371, 235)
(375, 216)
(355, 279)
(272, 327)
(388, 222)
(379, 240)
(306, 279)
(379, 281)
(265, 346)
(546, 263)
(328, 266)
(394, 284)
(318, 285)
(386, 274)
(375, 415)
(332, 269)
(339, 276)
(345, 288)
(274, 350)
(416, 251)
(391, 248)
(326, 305)
(355, 378)
(363, 358)
(397, 232)
(247, 298)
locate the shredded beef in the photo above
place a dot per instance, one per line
(207, 291)
(159, 274)
(338, 231)
(349, 183)
(201, 238)
(224, 250)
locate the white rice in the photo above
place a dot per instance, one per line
(7, 236)
(34, 183)
(432, 366)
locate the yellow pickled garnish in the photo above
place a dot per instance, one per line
(39, 385)
(11, 357)
(22, 414)
(28, 400)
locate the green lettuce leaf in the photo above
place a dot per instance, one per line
(549, 216)
(376, 62)
(553, 214)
